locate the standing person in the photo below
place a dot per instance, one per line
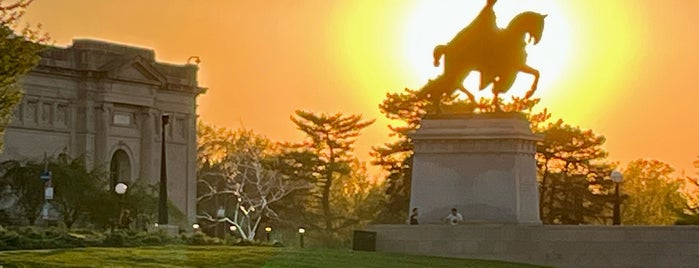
(413, 217)
(454, 217)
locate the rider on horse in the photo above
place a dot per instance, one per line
(483, 27)
(477, 37)
(498, 54)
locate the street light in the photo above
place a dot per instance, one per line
(162, 201)
(196, 59)
(120, 189)
(232, 228)
(617, 177)
(301, 232)
(195, 227)
(268, 230)
(220, 213)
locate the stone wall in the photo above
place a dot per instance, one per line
(558, 246)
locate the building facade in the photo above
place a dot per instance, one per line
(104, 101)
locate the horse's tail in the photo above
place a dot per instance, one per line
(430, 88)
(437, 53)
(435, 88)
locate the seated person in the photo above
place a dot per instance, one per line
(413, 217)
(454, 217)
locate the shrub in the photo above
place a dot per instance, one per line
(116, 239)
(42, 238)
(53, 237)
(200, 238)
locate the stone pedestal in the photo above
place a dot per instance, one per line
(481, 164)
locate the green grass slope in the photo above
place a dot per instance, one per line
(228, 256)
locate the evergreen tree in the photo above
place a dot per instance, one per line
(328, 154)
(571, 171)
(396, 157)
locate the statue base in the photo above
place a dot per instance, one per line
(481, 164)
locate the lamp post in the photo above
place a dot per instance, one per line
(220, 213)
(268, 230)
(162, 201)
(233, 229)
(120, 189)
(301, 232)
(617, 178)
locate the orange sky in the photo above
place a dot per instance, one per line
(625, 68)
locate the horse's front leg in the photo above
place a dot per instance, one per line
(535, 73)
(496, 99)
(468, 94)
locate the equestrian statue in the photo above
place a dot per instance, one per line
(498, 54)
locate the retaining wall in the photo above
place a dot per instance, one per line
(553, 245)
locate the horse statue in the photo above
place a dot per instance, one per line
(498, 54)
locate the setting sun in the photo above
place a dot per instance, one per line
(430, 24)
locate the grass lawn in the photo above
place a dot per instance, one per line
(227, 256)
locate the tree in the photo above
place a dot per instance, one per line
(240, 177)
(330, 141)
(396, 157)
(77, 190)
(298, 163)
(137, 207)
(652, 195)
(19, 55)
(357, 197)
(689, 214)
(245, 200)
(571, 173)
(23, 180)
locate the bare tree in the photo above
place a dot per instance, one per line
(242, 187)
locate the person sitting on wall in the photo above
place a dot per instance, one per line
(454, 217)
(413, 217)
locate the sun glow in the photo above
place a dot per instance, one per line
(433, 23)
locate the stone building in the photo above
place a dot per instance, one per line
(104, 101)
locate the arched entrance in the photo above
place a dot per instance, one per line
(119, 168)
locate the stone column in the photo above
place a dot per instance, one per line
(191, 178)
(481, 164)
(146, 123)
(83, 123)
(103, 122)
(72, 111)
